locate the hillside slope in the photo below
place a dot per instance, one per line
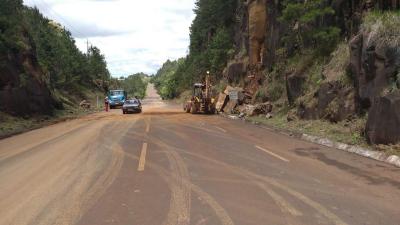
(312, 60)
(41, 69)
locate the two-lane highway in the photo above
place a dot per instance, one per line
(165, 167)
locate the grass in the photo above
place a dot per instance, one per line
(345, 132)
(385, 27)
(336, 69)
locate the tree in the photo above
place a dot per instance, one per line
(306, 18)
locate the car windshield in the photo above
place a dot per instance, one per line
(132, 102)
(115, 93)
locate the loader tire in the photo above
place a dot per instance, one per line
(187, 109)
(193, 109)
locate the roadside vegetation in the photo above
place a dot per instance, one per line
(63, 67)
(43, 75)
(135, 84)
(211, 45)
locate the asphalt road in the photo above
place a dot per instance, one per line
(165, 167)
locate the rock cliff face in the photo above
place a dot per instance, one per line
(373, 66)
(257, 27)
(23, 89)
(375, 62)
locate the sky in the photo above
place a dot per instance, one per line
(134, 35)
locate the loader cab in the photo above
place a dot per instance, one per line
(198, 90)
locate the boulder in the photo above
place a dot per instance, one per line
(235, 93)
(383, 124)
(254, 110)
(230, 106)
(222, 101)
(294, 87)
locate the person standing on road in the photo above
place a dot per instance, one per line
(106, 105)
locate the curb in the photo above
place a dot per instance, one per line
(378, 156)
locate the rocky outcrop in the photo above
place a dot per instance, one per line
(383, 125)
(332, 101)
(294, 86)
(361, 84)
(23, 90)
(257, 29)
(373, 65)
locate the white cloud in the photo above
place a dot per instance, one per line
(134, 35)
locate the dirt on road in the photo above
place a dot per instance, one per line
(165, 167)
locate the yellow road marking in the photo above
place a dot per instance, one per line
(273, 154)
(142, 159)
(148, 125)
(221, 129)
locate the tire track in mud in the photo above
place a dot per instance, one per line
(263, 182)
(180, 204)
(269, 181)
(182, 187)
(82, 180)
(172, 179)
(284, 206)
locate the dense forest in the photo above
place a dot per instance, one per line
(41, 68)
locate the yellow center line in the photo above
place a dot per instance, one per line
(273, 154)
(142, 159)
(148, 125)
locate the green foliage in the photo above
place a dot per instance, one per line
(135, 85)
(49, 53)
(219, 49)
(166, 80)
(211, 45)
(10, 26)
(306, 18)
(276, 90)
(65, 65)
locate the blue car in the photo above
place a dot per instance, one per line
(116, 98)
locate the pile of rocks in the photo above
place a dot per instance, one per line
(236, 100)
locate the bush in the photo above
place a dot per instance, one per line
(385, 26)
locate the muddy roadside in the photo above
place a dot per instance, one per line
(11, 125)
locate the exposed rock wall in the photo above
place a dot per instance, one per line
(258, 37)
(257, 30)
(23, 90)
(373, 66)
